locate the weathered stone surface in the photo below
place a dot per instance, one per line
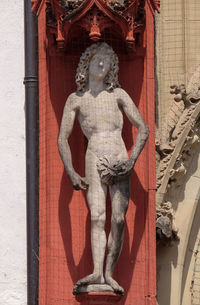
(96, 288)
(176, 149)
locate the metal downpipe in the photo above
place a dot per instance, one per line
(32, 160)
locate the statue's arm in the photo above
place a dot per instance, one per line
(136, 119)
(67, 123)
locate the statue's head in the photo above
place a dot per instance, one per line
(88, 65)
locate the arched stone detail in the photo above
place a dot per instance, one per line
(176, 265)
(190, 293)
(176, 149)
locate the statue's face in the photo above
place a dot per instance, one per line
(99, 65)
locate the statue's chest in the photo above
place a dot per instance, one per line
(96, 109)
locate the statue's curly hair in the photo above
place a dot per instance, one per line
(111, 79)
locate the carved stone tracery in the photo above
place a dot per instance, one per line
(95, 22)
(125, 18)
(176, 149)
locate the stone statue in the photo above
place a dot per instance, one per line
(98, 104)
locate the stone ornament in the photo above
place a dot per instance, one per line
(98, 104)
(126, 18)
(176, 149)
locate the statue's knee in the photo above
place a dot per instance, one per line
(118, 220)
(98, 220)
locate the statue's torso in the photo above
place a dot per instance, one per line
(101, 121)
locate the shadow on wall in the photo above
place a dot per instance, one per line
(166, 259)
(177, 194)
(129, 252)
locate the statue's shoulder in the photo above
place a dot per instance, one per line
(72, 97)
(119, 91)
(73, 101)
(121, 94)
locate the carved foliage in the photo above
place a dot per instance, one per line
(176, 148)
(182, 133)
(155, 4)
(166, 230)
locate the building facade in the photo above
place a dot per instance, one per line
(177, 59)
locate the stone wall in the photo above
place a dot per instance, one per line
(12, 155)
(177, 48)
(178, 56)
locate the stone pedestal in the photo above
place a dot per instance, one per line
(98, 298)
(96, 288)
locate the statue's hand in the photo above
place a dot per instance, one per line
(111, 172)
(124, 168)
(78, 182)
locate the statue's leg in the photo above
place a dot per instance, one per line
(96, 198)
(119, 194)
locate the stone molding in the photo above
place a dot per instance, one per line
(195, 293)
(176, 148)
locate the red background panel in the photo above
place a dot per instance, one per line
(64, 221)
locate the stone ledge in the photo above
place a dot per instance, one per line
(98, 298)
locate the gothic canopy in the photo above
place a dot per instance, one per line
(126, 18)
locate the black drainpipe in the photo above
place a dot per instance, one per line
(32, 160)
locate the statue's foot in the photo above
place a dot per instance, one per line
(116, 287)
(89, 279)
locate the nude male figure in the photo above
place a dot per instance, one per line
(98, 105)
